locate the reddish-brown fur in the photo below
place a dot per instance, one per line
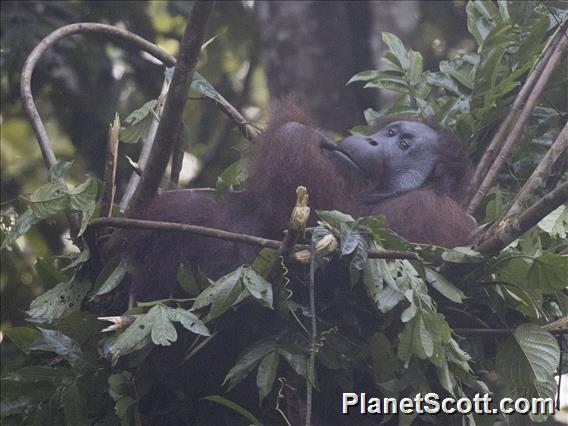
(282, 162)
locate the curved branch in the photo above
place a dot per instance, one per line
(516, 227)
(29, 66)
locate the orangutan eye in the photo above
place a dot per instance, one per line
(390, 132)
(404, 144)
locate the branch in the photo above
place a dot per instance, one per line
(540, 173)
(489, 154)
(147, 144)
(516, 227)
(107, 199)
(29, 66)
(518, 126)
(117, 34)
(224, 235)
(190, 48)
(499, 331)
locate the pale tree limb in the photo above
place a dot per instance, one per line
(517, 129)
(491, 150)
(107, 199)
(540, 173)
(147, 143)
(190, 47)
(504, 236)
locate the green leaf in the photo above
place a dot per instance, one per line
(163, 331)
(137, 124)
(364, 76)
(235, 407)
(22, 337)
(462, 255)
(189, 320)
(83, 199)
(19, 395)
(257, 286)
(202, 86)
(60, 301)
(110, 277)
(187, 280)
(445, 287)
(383, 359)
(221, 295)
(397, 48)
(248, 361)
(334, 218)
(22, 225)
(549, 272)
(415, 71)
(36, 373)
(556, 223)
(266, 375)
(62, 345)
(59, 170)
(49, 200)
(526, 362)
(75, 407)
(376, 274)
(233, 176)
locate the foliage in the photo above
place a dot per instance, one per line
(389, 324)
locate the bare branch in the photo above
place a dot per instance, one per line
(175, 102)
(225, 235)
(147, 144)
(107, 198)
(540, 173)
(518, 126)
(310, 373)
(516, 227)
(498, 331)
(491, 150)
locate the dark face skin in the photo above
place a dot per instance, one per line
(401, 155)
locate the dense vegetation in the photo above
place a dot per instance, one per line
(399, 327)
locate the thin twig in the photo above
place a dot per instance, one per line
(190, 48)
(107, 199)
(224, 235)
(499, 331)
(504, 236)
(517, 127)
(310, 374)
(489, 154)
(540, 172)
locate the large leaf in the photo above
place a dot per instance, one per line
(110, 277)
(222, 294)
(60, 301)
(137, 124)
(526, 362)
(267, 374)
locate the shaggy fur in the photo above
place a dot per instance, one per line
(288, 155)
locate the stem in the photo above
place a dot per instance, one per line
(314, 332)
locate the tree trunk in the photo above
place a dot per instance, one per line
(311, 49)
